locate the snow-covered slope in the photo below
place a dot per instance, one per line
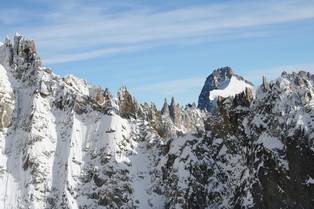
(58, 148)
(230, 88)
(223, 82)
(257, 152)
(66, 144)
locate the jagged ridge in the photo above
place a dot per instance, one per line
(67, 144)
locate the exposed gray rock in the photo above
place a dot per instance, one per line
(67, 144)
(6, 110)
(265, 85)
(127, 104)
(218, 80)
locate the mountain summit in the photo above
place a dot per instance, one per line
(223, 82)
(66, 144)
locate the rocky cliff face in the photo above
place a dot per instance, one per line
(67, 144)
(223, 82)
(257, 153)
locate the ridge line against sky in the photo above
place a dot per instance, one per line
(176, 86)
(117, 34)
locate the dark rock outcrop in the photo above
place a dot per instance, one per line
(127, 104)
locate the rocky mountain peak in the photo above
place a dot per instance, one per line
(222, 82)
(300, 78)
(175, 113)
(165, 108)
(127, 103)
(23, 51)
(265, 84)
(67, 144)
(222, 73)
(173, 102)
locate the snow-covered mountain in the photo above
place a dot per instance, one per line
(67, 144)
(223, 82)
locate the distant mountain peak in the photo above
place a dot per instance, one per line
(222, 82)
(67, 144)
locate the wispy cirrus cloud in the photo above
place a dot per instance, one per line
(88, 55)
(74, 31)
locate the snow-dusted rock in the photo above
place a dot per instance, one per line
(223, 82)
(7, 99)
(67, 144)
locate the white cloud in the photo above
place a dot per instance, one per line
(87, 55)
(75, 29)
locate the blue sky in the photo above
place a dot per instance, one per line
(164, 48)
